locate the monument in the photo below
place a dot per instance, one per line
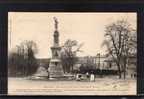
(55, 67)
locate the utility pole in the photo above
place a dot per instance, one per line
(98, 60)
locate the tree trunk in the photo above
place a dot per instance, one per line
(124, 74)
(119, 70)
(125, 63)
(120, 76)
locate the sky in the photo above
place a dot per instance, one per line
(86, 28)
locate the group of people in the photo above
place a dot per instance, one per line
(87, 76)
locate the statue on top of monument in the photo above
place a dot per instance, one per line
(56, 23)
(56, 33)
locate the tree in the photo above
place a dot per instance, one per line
(22, 62)
(118, 40)
(68, 54)
(31, 50)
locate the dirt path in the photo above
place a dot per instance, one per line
(19, 86)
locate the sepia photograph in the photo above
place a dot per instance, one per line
(72, 53)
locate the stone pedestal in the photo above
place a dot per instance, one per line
(55, 69)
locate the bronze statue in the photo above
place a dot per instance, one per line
(56, 23)
(56, 34)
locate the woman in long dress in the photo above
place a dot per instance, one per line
(92, 78)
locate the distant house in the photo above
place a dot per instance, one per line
(100, 62)
(105, 63)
